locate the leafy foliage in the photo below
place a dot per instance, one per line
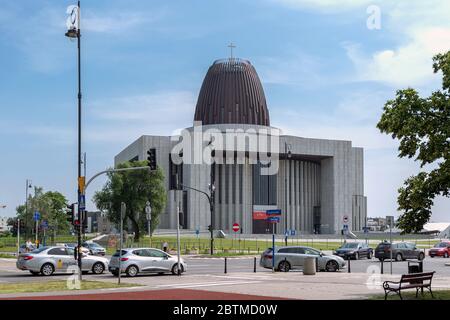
(134, 188)
(52, 207)
(422, 125)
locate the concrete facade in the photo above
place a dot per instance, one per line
(322, 175)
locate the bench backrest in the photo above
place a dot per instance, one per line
(414, 278)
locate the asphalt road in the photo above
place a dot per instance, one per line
(198, 266)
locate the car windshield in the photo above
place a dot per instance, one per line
(441, 245)
(96, 245)
(350, 245)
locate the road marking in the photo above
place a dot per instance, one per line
(210, 284)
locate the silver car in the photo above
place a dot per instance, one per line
(48, 260)
(94, 248)
(145, 260)
(287, 258)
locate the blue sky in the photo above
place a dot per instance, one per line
(325, 75)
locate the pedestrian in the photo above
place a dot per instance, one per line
(165, 246)
(29, 245)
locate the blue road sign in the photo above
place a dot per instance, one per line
(44, 224)
(273, 219)
(366, 229)
(82, 202)
(37, 216)
(292, 232)
(197, 231)
(273, 212)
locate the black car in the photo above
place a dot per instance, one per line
(400, 251)
(354, 250)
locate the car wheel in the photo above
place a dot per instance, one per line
(369, 255)
(356, 256)
(331, 266)
(132, 271)
(47, 269)
(284, 266)
(446, 255)
(421, 256)
(34, 273)
(175, 269)
(398, 257)
(98, 268)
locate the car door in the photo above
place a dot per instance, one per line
(160, 260)
(61, 259)
(299, 256)
(143, 259)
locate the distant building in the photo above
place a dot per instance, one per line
(439, 229)
(377, 224)
(4, 224)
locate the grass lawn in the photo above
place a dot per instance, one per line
(58, 285)
(411, 295)
(10, 256)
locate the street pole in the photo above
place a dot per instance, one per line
(123, 209)
(273, 246)
(211, 203)
(285, 192)
(37, 231)
(28, 182)
(178, 240)
(18, 236)
(390, 239)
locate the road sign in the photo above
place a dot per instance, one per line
(273, 219)
(345, 219)
(366, 229)
(293, 232)
(273, 212)
(236, 227)
(37, 216)
(81, 184)
(82, 202)
(44, 224)
(197, 232)
(390, 221)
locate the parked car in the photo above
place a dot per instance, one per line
(400, 251)
(145, 260)
(287, 258)
(94, 248)
(48, 260)
(74, 245)
(441, 249)
(354, 250)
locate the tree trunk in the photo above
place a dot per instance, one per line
(135, 227)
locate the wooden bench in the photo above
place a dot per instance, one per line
(409, 281)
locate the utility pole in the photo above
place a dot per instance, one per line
(123, 208)
(75, 32)
(18, 237)
(28, 186)
(178, 238)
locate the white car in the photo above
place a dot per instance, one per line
(49, 260)
(145, 260)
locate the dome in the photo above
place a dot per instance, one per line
(232, 93)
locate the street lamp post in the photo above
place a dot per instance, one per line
(288, 153)
(28, 186)
(73, 32)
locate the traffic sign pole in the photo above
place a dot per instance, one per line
(273, 247)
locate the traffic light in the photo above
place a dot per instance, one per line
(151, 158)
(71, 213)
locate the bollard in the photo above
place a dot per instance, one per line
(349, 267)
(317, 264)
(382, 266)
(225, 271)
(254, 264)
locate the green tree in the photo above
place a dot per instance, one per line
(422, 125)
(134, 188)
(51, 205)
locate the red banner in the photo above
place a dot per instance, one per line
(259, 215)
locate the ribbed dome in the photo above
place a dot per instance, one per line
(232, 93)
